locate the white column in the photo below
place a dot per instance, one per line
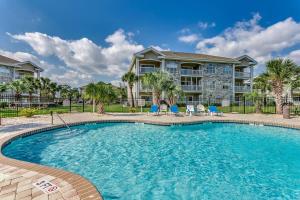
(251, 78)
(137, 71)
(233, 81)
(38, 74)
(163, 64)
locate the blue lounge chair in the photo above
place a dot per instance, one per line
(154, 109)
(214, 110)
(174, 109)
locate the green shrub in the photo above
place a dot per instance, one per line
(28, 112)
(3, 104)
(132, 110)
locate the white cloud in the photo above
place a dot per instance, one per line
(188, 38)
(84, 55)
(295, 56)
(205, 25)
(248, 37)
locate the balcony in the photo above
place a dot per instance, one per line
(190, 72)
(144, 70)
(197, 88)
(242, 75)
(242, 89)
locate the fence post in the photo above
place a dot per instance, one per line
(17, 109)
(82, 105)
(70, 99)
(51, 113)
(244, 105)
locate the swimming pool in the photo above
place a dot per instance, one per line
(203, 161)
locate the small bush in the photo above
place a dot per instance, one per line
(28, 112)
(132, 110)
(3, 104)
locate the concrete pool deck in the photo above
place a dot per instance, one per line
(17, 178)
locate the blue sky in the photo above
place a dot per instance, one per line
(82, 41)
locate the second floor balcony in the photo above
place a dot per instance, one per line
(191, 72)
(144, 70)
(242, 75)
(242, 88)
(195, 88)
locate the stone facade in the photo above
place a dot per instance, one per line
(201, 77)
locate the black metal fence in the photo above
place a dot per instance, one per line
(13, 106)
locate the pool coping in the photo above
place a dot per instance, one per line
(85, 189)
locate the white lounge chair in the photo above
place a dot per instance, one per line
(201, 109)
(190, 109)
(163, 108)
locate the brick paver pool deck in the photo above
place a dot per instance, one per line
(17, 178)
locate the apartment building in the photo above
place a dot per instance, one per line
(11, 69)
(201, 77)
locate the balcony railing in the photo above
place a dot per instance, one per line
(191, 87)
(242, 89)
(242, 75)
(191, 72)
(144, 70)
(171, 70)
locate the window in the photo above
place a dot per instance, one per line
(227, 70)
(211, 85)
(190, 98)
(147, 68)
(225, 87)
(211, 69)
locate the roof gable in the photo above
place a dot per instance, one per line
(247, 59)
(149, 49)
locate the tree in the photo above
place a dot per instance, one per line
(261, 84)
(30, 86)
(130, 78)
(279, 72)
(257, 99)
(157, 82)
(3, 87)
(44, 86)
(173, 91)
(90, 92)
(54, 88)
(18, 87)
(104, 94)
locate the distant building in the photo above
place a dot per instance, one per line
(11, 69)
(201, 77)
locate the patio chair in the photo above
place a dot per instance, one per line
(190, 109)
(201, 109)
(213, 110)
(174, 110)
(163, 108)
(154, 109)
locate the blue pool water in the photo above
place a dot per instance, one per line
(204, 161)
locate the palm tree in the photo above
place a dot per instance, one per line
(173, 91)
(53, 88)
(256, 97)
(90, 92)
(261, 84)
(105, 94)
(44, 86)
(30, 85)
(157, 82)
(18, 87)
(130, 78)
(279, 72)
(3, 87)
